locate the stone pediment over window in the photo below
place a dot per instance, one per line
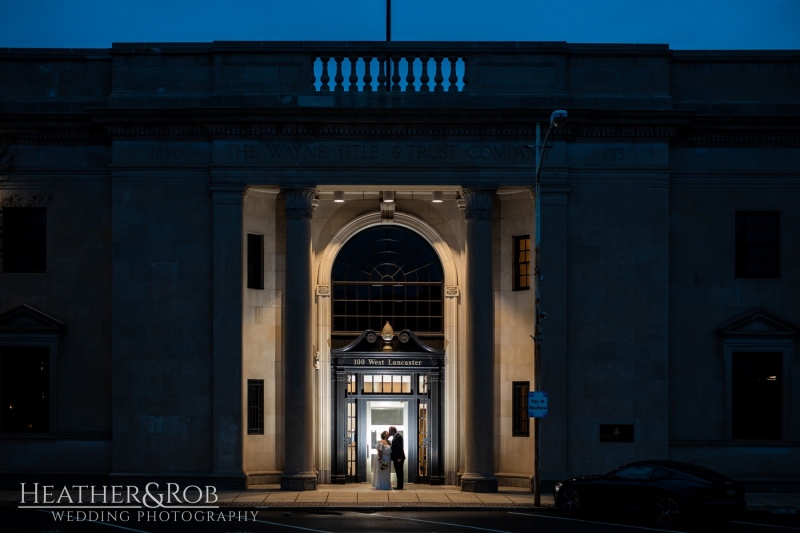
(757, 323)
(24, 319)
(403, 342)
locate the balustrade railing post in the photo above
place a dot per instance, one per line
(453, 79)
(367, 75)
(353, 75)
(395, 73)
(410, 74)
(382, 81)
(438, 78)
(339, 78)
(424, 79)
(325, 77)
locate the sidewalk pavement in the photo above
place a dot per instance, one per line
(416, 497)
(362, 495)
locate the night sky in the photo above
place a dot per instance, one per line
(683, 24)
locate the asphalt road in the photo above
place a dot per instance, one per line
(324, 521)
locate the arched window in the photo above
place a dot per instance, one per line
(387, 273)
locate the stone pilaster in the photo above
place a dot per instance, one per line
(479, 349)
(299, 472)
(227, 413)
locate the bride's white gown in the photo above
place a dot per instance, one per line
(382, 479)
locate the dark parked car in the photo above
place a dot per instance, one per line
(671, 492)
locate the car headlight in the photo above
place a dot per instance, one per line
(558, 487)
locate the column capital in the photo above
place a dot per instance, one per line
(299, 202)
(478, 203)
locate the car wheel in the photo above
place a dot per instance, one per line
(668, 511)
(569, 502)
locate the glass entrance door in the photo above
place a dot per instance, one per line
(379, 416)
(366, 403)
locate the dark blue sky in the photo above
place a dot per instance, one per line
(683, 24)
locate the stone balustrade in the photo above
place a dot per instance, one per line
(406, 72)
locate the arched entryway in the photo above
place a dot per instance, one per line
(447, 341)
(388, 275)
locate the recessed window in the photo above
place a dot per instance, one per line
(255, 406)
(255, 261)
(758, 250)
(388, 274)
(25, 389)
(522, 263)
(24, 239)
(521, 422)
(757, 395)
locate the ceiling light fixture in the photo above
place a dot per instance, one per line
(436, 197)
(338, 197)
(388, 196)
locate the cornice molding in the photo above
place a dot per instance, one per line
(679, 127)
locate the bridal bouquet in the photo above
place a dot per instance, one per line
(384, 465)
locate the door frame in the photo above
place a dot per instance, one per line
(366, 355)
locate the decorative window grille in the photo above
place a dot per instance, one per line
(255, 406)
(388, 273)
(520, 421)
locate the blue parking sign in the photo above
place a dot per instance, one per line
(537, 404)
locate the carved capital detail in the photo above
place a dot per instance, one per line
(451, 291)
(478, 203)
(299, 202)
(324, 291)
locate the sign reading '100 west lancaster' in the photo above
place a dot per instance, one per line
(385, 362)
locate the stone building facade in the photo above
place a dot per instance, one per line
(190, 305)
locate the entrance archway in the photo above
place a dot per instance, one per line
(325, 378)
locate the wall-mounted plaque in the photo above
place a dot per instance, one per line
(616, 432)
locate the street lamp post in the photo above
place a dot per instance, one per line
(557, 119)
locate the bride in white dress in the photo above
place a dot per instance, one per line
(382, 477)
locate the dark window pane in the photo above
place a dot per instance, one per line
(255, 261)
(757, 395)
(25, 386)
(758, 244)
(24, 239)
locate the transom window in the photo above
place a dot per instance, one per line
(387, 273)
(387, 384)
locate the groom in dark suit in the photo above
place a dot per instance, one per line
(398, 456)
